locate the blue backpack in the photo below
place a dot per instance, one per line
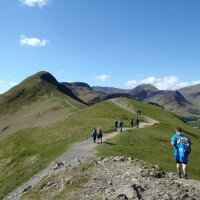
(183, 145)
(94, 133)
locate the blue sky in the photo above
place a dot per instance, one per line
(102, 42)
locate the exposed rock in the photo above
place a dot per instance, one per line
(116, 178)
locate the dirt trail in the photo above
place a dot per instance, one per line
(149, 121)
(77, 154)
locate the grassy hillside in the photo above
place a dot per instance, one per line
(26, 152)
(34, 102)
(153, 143)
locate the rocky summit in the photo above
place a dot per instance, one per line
(114, 178)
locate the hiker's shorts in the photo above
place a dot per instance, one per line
(180, 162)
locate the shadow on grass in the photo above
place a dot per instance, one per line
(109, 143)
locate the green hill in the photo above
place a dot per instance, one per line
(34, 148)
(153, 143)
(38, 100)
(28, 151)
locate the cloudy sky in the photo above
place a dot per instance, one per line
(110, 43)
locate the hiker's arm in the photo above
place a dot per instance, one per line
(173, 141)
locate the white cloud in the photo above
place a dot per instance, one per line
(166, 83)
(132, 83)
(34, 42)
(12, 84)
(149, 80)
(102, 77)
(31, 3)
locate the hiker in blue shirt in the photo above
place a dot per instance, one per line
(182, 147)
(94, 135)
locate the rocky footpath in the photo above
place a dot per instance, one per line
(114, 178)
(78, 154)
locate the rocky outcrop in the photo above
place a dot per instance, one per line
(115, 178)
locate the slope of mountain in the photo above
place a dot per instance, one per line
(85, 92)
(192, 94)
(170, 100)
(38, 100)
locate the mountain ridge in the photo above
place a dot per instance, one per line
(184, 102)
(34, 101)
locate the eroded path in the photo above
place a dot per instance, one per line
(150, 121)
(77, 154)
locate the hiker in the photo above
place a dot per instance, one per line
(121, 125)
(99, 135)
(138, 111)
(116, 124)
(182, 147)
(132, 123)
(94, 134)
(137, 123)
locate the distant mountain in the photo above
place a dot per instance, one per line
(85, 92)
(38, 100)
(109, 90)
(92, 95)
(184, 102)
(142, 92)
(171, 100)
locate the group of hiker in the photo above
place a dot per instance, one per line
(119, 123)
(134, 122)
(97, 135)
(180, 141)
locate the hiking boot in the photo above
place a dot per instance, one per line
(184, 176)
(179, 174)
